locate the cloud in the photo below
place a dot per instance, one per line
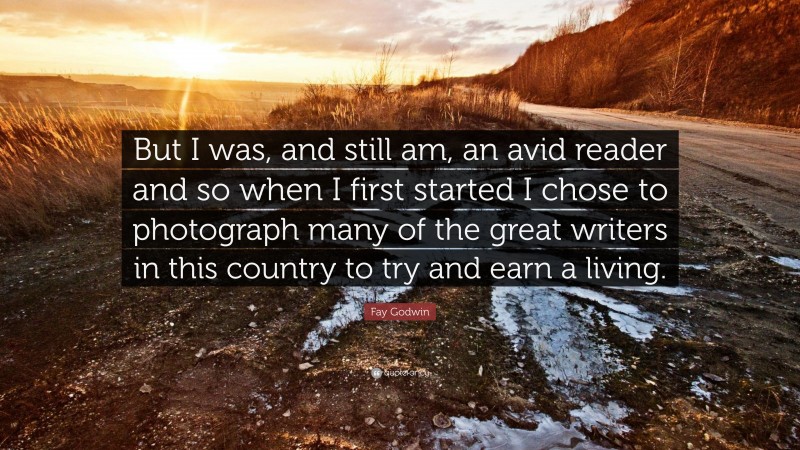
(482, 30)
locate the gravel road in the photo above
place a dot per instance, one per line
(747, 172)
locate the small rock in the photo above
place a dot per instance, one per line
(689, 445)
(252, 308)
(483, 408)
(442, 421)
(317, 318)
(774, 437)
(520, 364)
(200, 353)
(252, 325)
(480, 371)
(713, 377)
(305, 366)
(398, 411)
(369, 421)
(726, 358)
(287, 413)
(146, 389)
(279, 310)
(347, 428)
(400, 417)
(414, 445)
(706, 437)
(472, 405)
(285, 370)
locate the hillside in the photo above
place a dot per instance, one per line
(267, 94)
(734, 59)
(58, 90)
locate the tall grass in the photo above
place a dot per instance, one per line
(58, 162)
(330, 107)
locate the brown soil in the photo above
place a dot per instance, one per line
(87, 364)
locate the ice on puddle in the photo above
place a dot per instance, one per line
(679, 291)
(349, 309)
(602, 416)
(494, 433)
(561, 335)
(698, 389)
(785, 261)
(628, 318)
(543, 319)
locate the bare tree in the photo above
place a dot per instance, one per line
(674, 84)
(583, 17)
(447, 64)
(708, 69)
(360, 81)
(381, 78)
(578, 20)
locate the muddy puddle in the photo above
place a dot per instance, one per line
(562, 328)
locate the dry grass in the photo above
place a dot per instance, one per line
(732, 59)
(326, 107)
(57, 162)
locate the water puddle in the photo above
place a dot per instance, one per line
(700, 389)
(679, 291)
(557, 331)
(785, 261)
(564, 337)
(348, 310)
(477, 434)
(628, 318)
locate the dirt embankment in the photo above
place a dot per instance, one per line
(734, 59)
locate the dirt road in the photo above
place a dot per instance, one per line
(747, 172)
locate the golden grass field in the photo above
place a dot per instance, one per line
(55, 161)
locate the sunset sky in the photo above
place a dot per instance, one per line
(268, 40)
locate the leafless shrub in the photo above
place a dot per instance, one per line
(674, 83)
(381, 78)
(578, 20)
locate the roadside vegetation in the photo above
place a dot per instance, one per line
(56, 162)
(721, 59)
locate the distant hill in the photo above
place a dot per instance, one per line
(736, 59)
(58, 90)
(266, 93)
(124, 91)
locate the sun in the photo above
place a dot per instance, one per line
(195, 57)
